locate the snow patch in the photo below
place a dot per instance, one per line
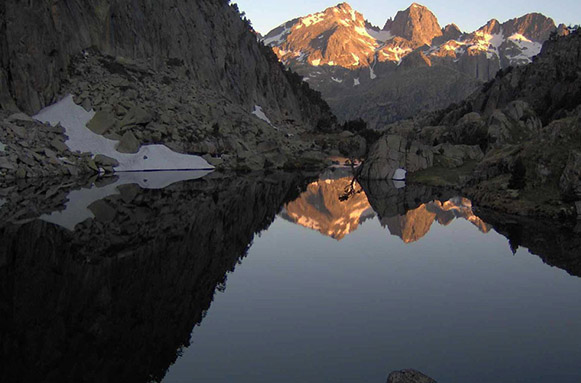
(77, 207)
(337, 80)
(74, 120)
(399, 175)
(278, 39)
(313, 19)
(356, 82)
(381, 36)
(258, 112)
(528, 48)
(2, 202)
(2, 147)
(356, 58)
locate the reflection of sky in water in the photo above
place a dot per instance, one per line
(456, 305)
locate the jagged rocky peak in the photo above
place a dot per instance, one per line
(335, 36)
(534, 26)
(451, 32)
(417, 24)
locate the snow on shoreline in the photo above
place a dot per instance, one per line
(74, 120)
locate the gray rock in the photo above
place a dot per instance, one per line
(499, 128)
(18, 130)
(101, 123)
(5, 163)
(20, 117)
(105, 161)
(409, 376)
(59, 146)
(570, 183)
(102, 211)
(453, 156)
(390, 153)
(578, 207)
(128, 144)
(136, 116)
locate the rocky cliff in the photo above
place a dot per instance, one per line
(409, 66)
(526, 123)
(190, 75)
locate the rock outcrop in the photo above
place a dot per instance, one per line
(521, 132)
(409, 376)
(187, 75)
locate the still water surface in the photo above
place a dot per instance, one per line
(283, 279)
(453, 302)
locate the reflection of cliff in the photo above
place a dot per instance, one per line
(116, 299)
(410, 212)
(416, 223)
(556, 244)
(321, 208)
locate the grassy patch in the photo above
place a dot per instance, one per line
(439, 176)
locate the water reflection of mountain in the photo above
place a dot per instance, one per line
(557, 244)
(117, 299)
(416, 223)
(321, 208)
(335, 205)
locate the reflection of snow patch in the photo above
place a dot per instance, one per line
(372, 74)
(356, 82)
(398, 184)
(336, 80)
(77, 208)
(399, 175)
(74, 119)
(2, 202)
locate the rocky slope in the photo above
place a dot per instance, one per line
(190, 75)
(513, 145)
(411, 65)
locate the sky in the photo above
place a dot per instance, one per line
(469, 16)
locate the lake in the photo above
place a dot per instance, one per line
(279, 277)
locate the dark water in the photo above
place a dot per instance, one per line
(279, 278)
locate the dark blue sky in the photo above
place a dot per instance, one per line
(468, 15)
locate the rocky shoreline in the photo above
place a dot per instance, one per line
(512, 146)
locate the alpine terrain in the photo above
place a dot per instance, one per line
(411, 64)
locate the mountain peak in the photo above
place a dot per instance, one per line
(534, 26)
(417, 24)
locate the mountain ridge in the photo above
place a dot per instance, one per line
(340, 53)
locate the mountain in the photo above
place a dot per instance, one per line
(321, 207)
(513, 145)
(412, 64)
(188, 75)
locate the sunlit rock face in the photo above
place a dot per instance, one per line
(332, 207)
(415, 224)
(412, 64)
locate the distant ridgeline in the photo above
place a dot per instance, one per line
(412, 64)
